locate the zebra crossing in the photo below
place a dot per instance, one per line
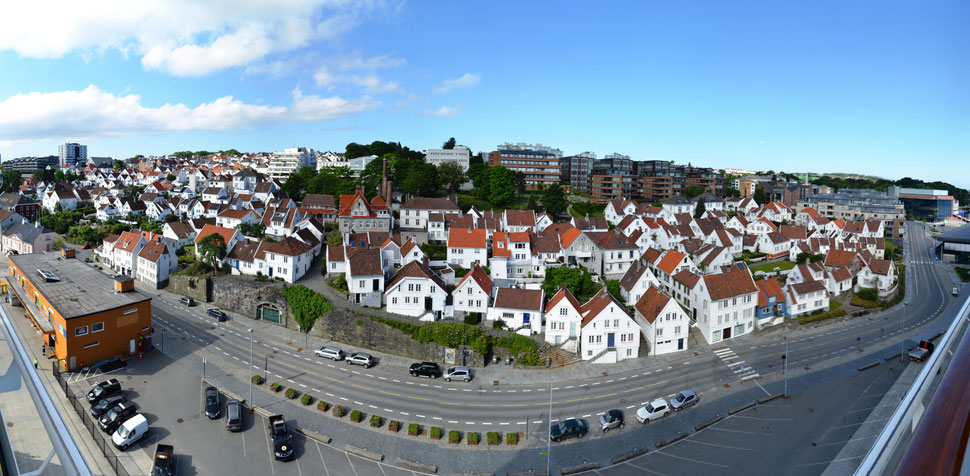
(735, 363)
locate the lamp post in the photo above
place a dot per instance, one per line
(785, 357)
(548, 439)
(250, 367)
(902, 337)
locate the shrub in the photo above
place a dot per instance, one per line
(414, 429)
(376, 421)
(356, 416)
(517, 344)
(532, 359)
(454, 436)
(859, 302)
(276, 387)
(492, 437)
(821, 317)
(339, 411)
(962, 273)
(435, 433)
(405, 327)
(869, 294)
(498, 324)
(306, 399)
(472, 437)
(394, 426)
(258, 379)
(322, 406)
(472, 318)
(291, 393)
(339, 283)
(511, 438)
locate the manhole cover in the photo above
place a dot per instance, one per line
(179, 420)
(144, 381)
(727, 385)
(129, 377)
(622, 400)
(274, 351)
(221, 335)
(9, 424)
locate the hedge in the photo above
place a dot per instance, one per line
(306, 399)
(471, 437)
(454, 436)
(258, 379)
(436, 432)
(376, 421)
(276, 387)
(453, 334)
(394, 426)
(859, 302)
(414, 429)
(492, 437)
(511, 438)
(356, 416)
(322, 405)
(821, 317)
(339, 411)
(291, 393)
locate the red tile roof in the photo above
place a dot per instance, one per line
(416, 269)
(463, 238)
(769, 287)
(651, 303)
(728, 285)
(288, 246)
(478, 275)
(839, 259)
(226, 233)
(569, 236)
(597, 304)
(670, 260)
(563, 293)
(500, 245)
(513, 298)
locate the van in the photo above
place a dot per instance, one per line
(132, 430)
(956, 291)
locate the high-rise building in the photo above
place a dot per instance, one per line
(460, 155)
(72, 153)
(539, 163)
(856, 204)
(290, 160)
(575, 170)
(660, 179)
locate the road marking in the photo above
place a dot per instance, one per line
(604, 396)
(388, 410)
(520, 423)
(419, 398)
(632, 389)
(476, 404)
(389, 393)
(516, 405)
(357, 403)
(436, 418)
(450, 403)
(657, 383)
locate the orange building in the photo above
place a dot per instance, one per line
(86, 316)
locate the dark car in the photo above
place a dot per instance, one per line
(684, 399)
(571, 428)
(216, 313)
(282, 446)
(106, 404)
(103, 389)
(164, 464)
(117, 415)
(234, 415)
(212, 408)
(611, 419)
(425, 369)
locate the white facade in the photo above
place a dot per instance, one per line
(469, 296)
(669, 330)
(290, 160)
(610, 336)
(467, 257)
(416, 296)
(459, 155)
(72, 153)
(732, 316)
(563, 322)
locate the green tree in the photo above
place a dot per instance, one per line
(694, 190)
(613, 287)
(533, 203)
(759, 196)
(518, 179)
(451, 175)
(554, 199)
(334, 181)
(170, 217)
(306, 306)
(295, 185)
(449, 144)
(334, 238)
(421, 180)
(170, 177)
(578, 281)
(733, 192)
(12, 180)
(479, 174)
(501, 182)
(212, 248)
(59, 176)
(117, 165)
(370, 177)
(700, 209)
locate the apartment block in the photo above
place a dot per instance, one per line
(539, 163)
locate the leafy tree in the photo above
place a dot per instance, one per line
(733, 192)
(554, 199)
(61, 221)
(759, 196)
(449, 144)
(694, 190)
(533, 203)
(334, 181)
(370, 177)
(170, 177)
(170, 217)
(256, 230)
(117, 165)
(518, 179)
(501, 182)
(59, 176)
(212, 248)
(451, 175)
(306, 306)
(476, 159)
(479, 174)
(700, 209)
(295, 185)
(84, 235)
(334, 238)
(613, 287)
(12, 180)
(421, 180)
(380, 149)
(578, 281)
(134, 191)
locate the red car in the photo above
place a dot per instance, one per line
(86, 247)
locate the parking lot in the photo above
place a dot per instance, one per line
(170, 397)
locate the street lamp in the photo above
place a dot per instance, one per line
(250, 367)
(902, 336)
(549, 433)
(785, 357)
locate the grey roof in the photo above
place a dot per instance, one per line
(960, 235)
(82, 290)
(26, 232)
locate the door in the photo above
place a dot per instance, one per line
(525, 318)
(376, 286)
(427, 303)
(572, 329)
(270, 271)
(726, 334)
(73, 363)
(680, 344)
(610, 339)
(131, 346)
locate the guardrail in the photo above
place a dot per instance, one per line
(97, 436)
(898, 436)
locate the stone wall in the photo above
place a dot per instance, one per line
(242, 295)
(192, 286)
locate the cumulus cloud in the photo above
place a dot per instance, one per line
(370, 82)
(466, 80)
(338, 70)
(181, 37)
(92, 112)
(445, 111)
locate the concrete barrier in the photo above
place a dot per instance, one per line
(868, 366)
(771, 397)
(742, 408)
(891, 357)
(263, 412)
(671, 440)
(629, 455)
(472, 474)
(364, 453)
(579, 468)
(423, 468)
(708, 423)
(313, 435)
(937, 336)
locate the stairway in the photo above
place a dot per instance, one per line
(560, 358)
(602, 353)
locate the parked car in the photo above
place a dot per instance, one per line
(187, 301)
(458, 373)
(86, 247)
(103, 389)
(129, 432)
(106, 404)
(566, 429)
(282, 448)
(684, 400)
(117, 415)
(611, 419)
(330, 352)
(164, 464)
(212, 407)
(425, 369)
(956, 291)
(655, 409)
(216, 313)
(234, 415)
(922, 351)
(360, 358)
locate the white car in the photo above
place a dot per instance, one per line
(458, 373)
(330, 352)
(655, 409)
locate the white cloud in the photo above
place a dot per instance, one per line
(356, 62)
(467, 80)
(92, 112)
(761, 142)
(181, 37)
(370, 82)
(445, 111)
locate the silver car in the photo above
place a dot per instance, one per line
(458, 373)
(361, 358)
(684, 399)
(330, 352)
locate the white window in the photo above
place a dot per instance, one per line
(563, 311)
(97, 327)
(80, 331)
(394, 300)
(660, 331)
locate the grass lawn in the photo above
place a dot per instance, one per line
(963, 273)
(770, 267)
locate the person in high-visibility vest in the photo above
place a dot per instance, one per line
(36, 363)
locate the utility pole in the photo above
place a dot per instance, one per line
(549, 440)
(785, 357)
(250, 367)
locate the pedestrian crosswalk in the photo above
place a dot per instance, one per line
(734, 362)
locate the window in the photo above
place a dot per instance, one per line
(563, 311)
(629, 352)
(660, 331)
(80, 331)
(606, 323)
(676, 329)
(591, 341)
(599, 339)
(507, 315)
(394, 300)
(433, 289)
(469, 289)
(97, 327)
(86, 346)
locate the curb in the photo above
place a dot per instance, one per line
(313, 435)
(937, 336)
(672, 439)
(708, 423)
(364, 453)
(472, 474)
(262, 412)
(771, 397)
(424, 468)
(579, 468)
(891, 357)
(742, 408)
(629, 455)
(868, 366)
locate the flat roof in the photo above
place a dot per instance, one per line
(960, 235)
(81, 290)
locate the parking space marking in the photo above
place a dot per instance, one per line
(643, 469)
(743, 432)
(717, 445)
(691, 459)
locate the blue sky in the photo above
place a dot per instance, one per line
(868, 87)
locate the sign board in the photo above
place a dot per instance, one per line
(451, 355)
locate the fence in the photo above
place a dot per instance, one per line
(97, 436)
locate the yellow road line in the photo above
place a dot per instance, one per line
(633, 389)
(359, 386)
(419, 398)
(517, 405)
(450, 403)
(389, 393)
(604, 396)
(543, 403)
(658, 383)
(479, 405)
(577, 399)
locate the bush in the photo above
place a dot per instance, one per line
(435, 433)
(340, 283)
(405, 327)
(472, 318)
(868, 294)
(454, 436)
(258, 379)
(962, 273)
(472, 437)
(517, 344)
(339, 411)
(291, 393)
(511, 438)
(498, 324)
(376, 421)
(821, 317)
(306, 399)
(394, 426)
(414, 429)
(356, 416)
(492, 438)
(859, 302)
(532, 358)
(276, 387)
(322, 406)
